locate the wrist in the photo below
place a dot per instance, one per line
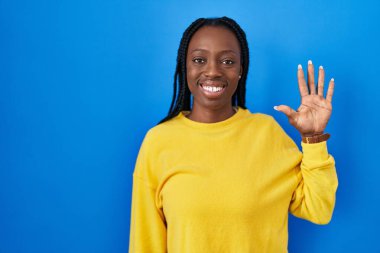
(315, 138)
(311, 134)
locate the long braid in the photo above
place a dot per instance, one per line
(181, 101)
(182, 95)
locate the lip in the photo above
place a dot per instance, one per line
(212, 94)
(212, 83)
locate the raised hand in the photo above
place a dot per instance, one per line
(314, 112)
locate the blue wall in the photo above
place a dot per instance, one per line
(82, 81)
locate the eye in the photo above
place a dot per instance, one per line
(228, 62)
(198, 60)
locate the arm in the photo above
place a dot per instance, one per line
(148, 228)
(314, 197)
(148, 225)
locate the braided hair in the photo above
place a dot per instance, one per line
(182, 95)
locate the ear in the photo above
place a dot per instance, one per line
(241, 71)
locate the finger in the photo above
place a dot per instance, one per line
(310, 77)
(330, 90)
(289, 112)
(321, 81)
(301, 82)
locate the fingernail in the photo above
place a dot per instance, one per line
(309, 62)
(332, 79)
(299, 66)
(320, 67)
(275, 107)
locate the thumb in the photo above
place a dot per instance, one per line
(286, 110)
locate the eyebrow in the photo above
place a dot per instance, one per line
(223, 51)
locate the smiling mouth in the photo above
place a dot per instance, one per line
(213, 89)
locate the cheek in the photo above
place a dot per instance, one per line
(191, 74)
(233, 75)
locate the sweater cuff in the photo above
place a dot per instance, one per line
(316, 151)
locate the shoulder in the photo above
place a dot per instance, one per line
(260, 119)
(166, 128)
(267, 125)
(162, 133)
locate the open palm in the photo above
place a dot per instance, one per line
(313, 114)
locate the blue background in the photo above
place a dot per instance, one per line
(82, 81)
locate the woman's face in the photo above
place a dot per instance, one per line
(213, 67)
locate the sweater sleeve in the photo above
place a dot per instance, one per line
(317, 182)
(148, 225)
(148, 230)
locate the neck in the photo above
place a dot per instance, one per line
(210, 115)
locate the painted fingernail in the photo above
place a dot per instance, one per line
(320, 67)
(275, 107)
(332, 79)
(309, 62)
(299, 66)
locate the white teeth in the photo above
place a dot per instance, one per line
(212, 89)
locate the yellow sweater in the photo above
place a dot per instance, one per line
(226, 187)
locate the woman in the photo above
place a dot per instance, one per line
(214, 177)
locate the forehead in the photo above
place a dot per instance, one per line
(213, 38)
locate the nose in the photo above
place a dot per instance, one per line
(212, 70)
